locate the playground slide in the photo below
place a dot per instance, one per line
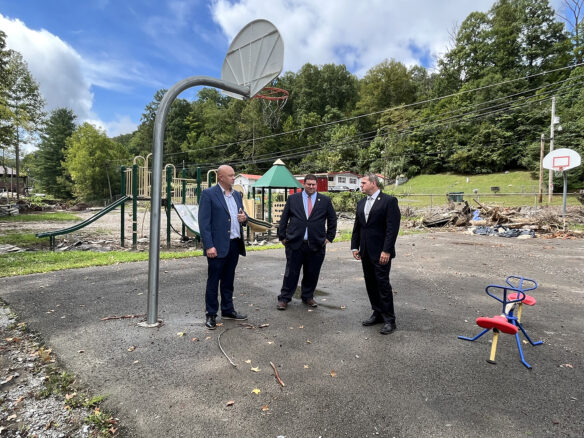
(189, 215)
(112, 206)
(258, 225)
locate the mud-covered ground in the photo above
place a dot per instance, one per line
(105, 233)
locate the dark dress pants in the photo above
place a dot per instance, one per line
(378, 287)
(220, 276)
(309, 262)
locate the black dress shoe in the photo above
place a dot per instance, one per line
(234, 315)
(374, 319)
(211, 324)
(310, 303)
(387, 328)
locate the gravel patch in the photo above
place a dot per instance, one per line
(26, 407)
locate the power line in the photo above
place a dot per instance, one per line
(468, 116)
(424, 123)
(460, 93)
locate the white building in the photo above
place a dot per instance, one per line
(347, 179)
(246, 181)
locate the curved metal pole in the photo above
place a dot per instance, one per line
(157, 149)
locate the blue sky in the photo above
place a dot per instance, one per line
(105, 59)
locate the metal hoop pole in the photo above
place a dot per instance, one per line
(157, 149)
(565, 193)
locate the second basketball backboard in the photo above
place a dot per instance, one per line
(562, 159)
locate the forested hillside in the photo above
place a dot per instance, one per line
(483, 108)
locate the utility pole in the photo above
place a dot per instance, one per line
(540, 199)
(551, 173)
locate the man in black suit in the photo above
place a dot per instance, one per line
(221, 220)
(308, 223)
(373, 242)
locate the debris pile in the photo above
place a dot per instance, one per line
(83, 245)
(458, 214)
(502, 231)
(524, 222)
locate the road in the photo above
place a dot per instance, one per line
(342, 379)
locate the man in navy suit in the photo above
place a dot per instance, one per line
(308, 223)
(373, 242)
(221, 220)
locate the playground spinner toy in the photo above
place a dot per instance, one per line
(513, 296)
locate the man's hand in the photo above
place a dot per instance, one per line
(283, 241)
(241, 216)
(356, 255)
(212, 252)
(384, 258)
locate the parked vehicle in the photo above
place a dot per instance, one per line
(339, 189)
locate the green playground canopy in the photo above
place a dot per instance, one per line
(278, 177)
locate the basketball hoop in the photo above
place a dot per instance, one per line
(273, 100)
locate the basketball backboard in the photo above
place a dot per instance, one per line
(562, 159)
(255, 57)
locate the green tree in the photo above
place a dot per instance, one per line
(23, 106)
(50, 173)
(340, 153)
(5, 112)
(124, 139)
(212, 129)
(141, 142)
(573, 13)
(176, 131)
(386, 85)
(493, 72)
(92, 160)
(471, 56)
(331, 85)
(544, 44)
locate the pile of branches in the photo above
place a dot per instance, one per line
(458, 214)
(545, 221)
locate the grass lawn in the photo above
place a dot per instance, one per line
(34, 262)
(440, 184)
(515, 189)
(41, 217)
(22, 240)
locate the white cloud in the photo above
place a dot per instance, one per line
(122, 125)
(65, 78)
(54, 64)
(359, 34)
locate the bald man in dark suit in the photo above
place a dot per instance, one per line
(221, 221)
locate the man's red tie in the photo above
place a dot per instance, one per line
(309, 205)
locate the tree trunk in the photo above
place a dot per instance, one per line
(17, 153)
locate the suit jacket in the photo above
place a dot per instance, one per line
(380, 231)
(215, 221)
(322, 223)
